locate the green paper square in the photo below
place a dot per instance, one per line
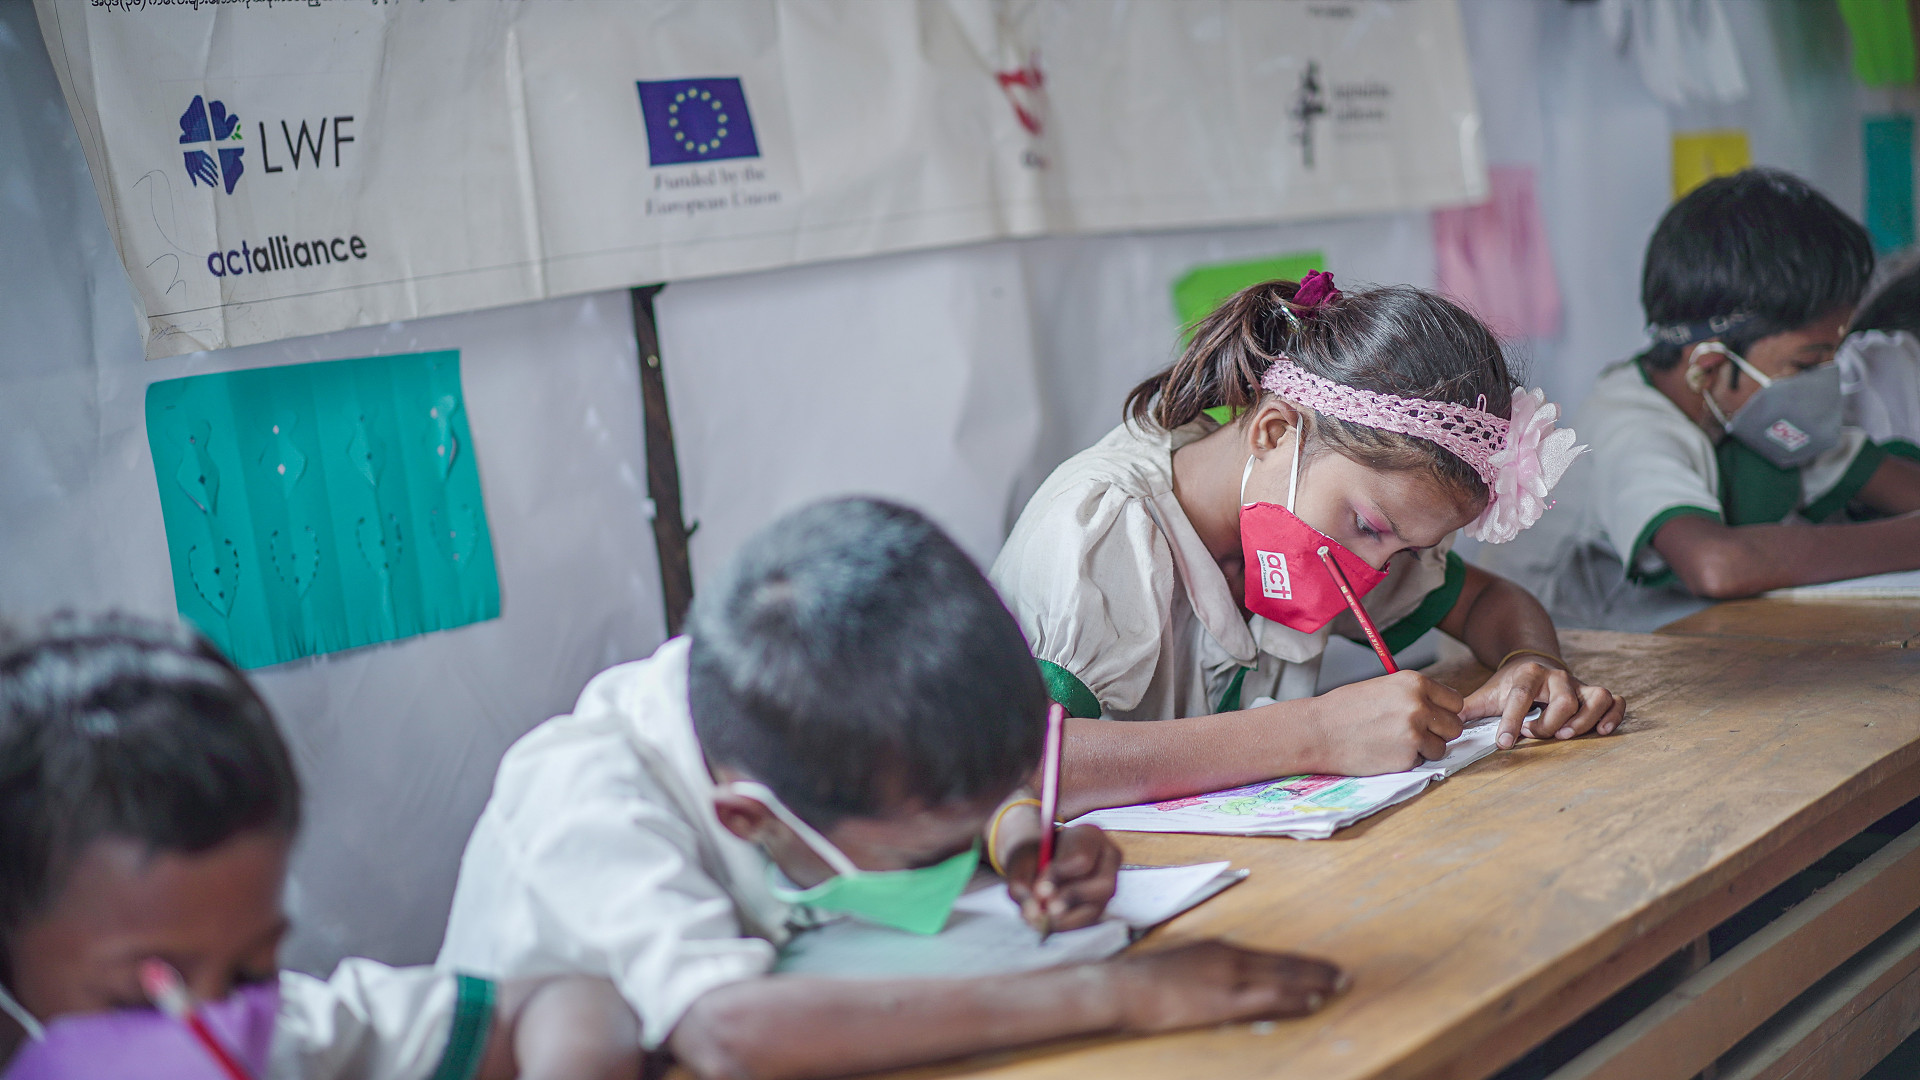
(1202, 288)
(1888, 143)
(1882, 32)
(321, 507)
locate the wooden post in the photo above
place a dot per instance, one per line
(670, 530)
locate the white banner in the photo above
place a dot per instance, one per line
(278, 169)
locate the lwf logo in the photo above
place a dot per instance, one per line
(203, 123)
(220, 164)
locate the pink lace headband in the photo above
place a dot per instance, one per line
(1520, 459)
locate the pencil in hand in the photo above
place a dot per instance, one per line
(1353, 604)
(1049, 806)
(168, 992)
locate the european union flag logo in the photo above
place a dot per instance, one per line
(696, 120)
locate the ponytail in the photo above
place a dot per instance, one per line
(1222, 365)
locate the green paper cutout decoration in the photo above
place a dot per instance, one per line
(320, 507)
(1888, 145)
(1882, 32)
(1203, 288)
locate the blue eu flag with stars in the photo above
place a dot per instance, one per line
(696, 120)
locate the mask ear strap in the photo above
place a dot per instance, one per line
(1244, 473)
(34, 1029)
(1739, 361)
(811, 836)
(1293, 472)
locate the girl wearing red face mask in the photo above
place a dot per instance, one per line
(1171, 571)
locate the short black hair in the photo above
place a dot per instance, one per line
(1893, 304)
(125, 727)
(853, 658)
(1761, 243)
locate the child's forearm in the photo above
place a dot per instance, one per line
(1894, 487)
(1721, 562)
(797, 1027)
(1121, 763)
(566, 1028)
(1494, 617)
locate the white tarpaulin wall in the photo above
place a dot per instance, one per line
(952, 379)
(270, 171)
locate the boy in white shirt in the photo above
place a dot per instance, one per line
(147, 808)
(851, 715)
(1719, 465)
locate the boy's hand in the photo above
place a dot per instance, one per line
(1571, 707)
(1077, 885)
(1386, 724)
(1215, 983)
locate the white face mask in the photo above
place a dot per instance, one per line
(1789, 421)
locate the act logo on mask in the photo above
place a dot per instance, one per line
(1789, 437)
(1275, 584)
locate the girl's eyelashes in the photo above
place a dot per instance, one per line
(1366, 530)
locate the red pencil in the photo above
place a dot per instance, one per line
(1050, 784)
(166, 990)
(1353, 602)
(1049, 800)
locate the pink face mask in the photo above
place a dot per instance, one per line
(1286, 582)
(148, 1044)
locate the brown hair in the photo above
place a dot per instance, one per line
(1393, 340)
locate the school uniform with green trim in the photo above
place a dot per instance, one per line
(1591, 559)
(1132, 619)
(374, 1022)
(599, 852)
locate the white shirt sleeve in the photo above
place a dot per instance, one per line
(620, 879)
(1090, 579)
(583, 861)
(1644, 465)
(374, 1022)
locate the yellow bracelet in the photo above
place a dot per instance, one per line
(993, 833)
(1564, 666)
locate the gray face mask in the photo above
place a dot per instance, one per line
(1790, 421)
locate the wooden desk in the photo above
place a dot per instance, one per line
(1485, 915)
(1890, 623)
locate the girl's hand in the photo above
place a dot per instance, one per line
(1385, 724)
(1077, 885)
(1571, 707)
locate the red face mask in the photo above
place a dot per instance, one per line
(1286, 581)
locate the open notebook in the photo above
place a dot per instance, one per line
(986, 935)
(1304, 807)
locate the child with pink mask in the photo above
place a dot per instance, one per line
(1171, 572)
(147, 811)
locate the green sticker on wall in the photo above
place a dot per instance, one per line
(321, 507)
(1888, 143)
(1882, 32)
(1202, 288)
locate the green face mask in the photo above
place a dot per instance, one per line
(917, 901)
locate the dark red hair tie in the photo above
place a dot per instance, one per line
(1315, 289)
